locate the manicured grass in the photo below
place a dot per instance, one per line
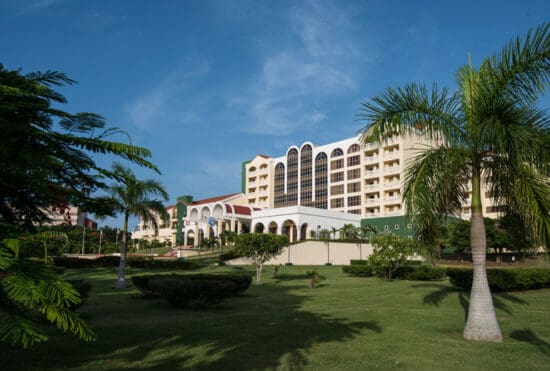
(345, 323)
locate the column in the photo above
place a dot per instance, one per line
(232, 225)
(220, 227)
(196, 241)
(239, 226)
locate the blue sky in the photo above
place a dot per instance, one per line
(206, 85)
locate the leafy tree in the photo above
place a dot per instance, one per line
(260, 248)
(349, 231)
(29, 288)
(389, 253)
(489, 131)
(133, 197)
(46, 158)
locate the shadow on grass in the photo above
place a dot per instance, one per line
(528, 336)
(264, 329)
(442, 292)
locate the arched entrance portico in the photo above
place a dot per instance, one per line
(289, 229)
(272, 228)
(304, 231)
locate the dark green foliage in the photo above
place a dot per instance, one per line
(194, 293)
(406, 272)
(314, 278)
(363, 270)
(358, 262)
(240, 282)
(420, 273)
(228, 255)
(114, 261)
(503, 279)
(83, 288)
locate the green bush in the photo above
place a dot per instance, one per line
(183, 292)
(114, 261)
(420, 273)
(240, 283)
(503, 279)
(358, 262)
(228, 255)
(358, 270)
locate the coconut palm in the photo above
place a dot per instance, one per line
(133, 197)
(490, 131)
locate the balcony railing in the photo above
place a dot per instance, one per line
(392, 200)
(372, 215)
(372, 187)
(372, 201)
(392, 185)
(391, 155)
(371, 159)
(392, 213)
(392, 169)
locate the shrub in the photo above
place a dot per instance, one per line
(140, 262)
(420, 273)
(183, 292)
(358, 262)
(228, 255)
(150, 286)
(503, 279)
(114, 261)
(358, 270)
(314, 278)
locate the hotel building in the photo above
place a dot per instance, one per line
(333, 184)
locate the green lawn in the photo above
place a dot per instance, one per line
(345, 323)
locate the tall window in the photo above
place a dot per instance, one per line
(292, 178)
(337, 152)
(306, 166)
(279, 185)
(321, 181)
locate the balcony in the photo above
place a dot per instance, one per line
(391, 155)
(373, 172)
(371, 159)
(372, 201)
(394, 184)
(393, 213)
(372, 215)
(392, 200)
(372, 187)
(392, 170)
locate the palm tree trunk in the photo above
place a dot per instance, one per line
(482, 321)
(121, 281)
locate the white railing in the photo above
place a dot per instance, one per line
(372, 201)
(392, 213)
(373, 187)
(391, 155)
(372, 215)
(392, 169)
(371, 159)
(392, 200)
(372, 172)
(392, 185)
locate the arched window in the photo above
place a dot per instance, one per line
(279, 185)
(306, 166)
(292, 177)
(321, 181)
(354, 148)
(337, 152)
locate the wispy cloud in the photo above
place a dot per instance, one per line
(295, 80)
(158, 104)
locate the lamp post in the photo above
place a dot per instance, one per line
(100, 239)
(318, 230)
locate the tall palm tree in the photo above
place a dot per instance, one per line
(489, 131)
(133, 197)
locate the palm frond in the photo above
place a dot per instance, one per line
(50, 77)
(412, 109)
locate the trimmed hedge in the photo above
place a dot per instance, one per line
(358, 270)
(358, 262)
(412, 273)
(240, 282)
(509, 279)
(194, 293)
(114, 261)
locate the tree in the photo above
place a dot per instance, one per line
(349, 231)
(133, 197)
(260, 248)
(389, 253)
(489, 131)
(28, 288)
(46, 158)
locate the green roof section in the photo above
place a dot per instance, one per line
(243, 176)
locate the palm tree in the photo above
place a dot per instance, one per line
(489, 131)
(132, 197)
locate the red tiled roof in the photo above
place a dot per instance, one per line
(238, 209)
(213, 199)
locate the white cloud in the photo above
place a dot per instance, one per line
(158, 104)
(326, 59)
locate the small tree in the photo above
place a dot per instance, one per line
(389, 253)
(260, 248)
